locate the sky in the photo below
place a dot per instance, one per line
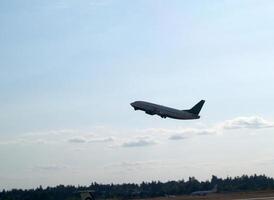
(70, 69)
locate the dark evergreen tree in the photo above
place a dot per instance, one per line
(143, 190)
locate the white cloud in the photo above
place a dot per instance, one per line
(189, 131)
(139, 142)
(181, 134)
(253, 122)
(57, 137)
(177, 137)
(103, 139)
(77, 140)
(53, 132)
(104, 135)
(194, 131)
(90, 140)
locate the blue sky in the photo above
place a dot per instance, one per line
(69, 69)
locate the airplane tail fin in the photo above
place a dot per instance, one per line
(197, 108)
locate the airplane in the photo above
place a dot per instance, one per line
(163, 111)
(205, 192)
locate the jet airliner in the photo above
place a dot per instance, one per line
(163, 111)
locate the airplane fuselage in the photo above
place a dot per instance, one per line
(163, 111)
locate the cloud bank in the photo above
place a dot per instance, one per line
(139, 138)
(253, 122)
(90, 140)
(139, 142)
(239, 123)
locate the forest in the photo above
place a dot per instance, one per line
(144, 189)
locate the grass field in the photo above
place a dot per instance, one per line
(221, 196)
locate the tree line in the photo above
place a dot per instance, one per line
(143, 190)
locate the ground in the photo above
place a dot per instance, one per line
(224, 196)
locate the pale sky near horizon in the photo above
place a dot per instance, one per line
(70, 69)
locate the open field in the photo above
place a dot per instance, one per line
(266, 195)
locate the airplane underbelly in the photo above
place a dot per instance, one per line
(180, 116)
